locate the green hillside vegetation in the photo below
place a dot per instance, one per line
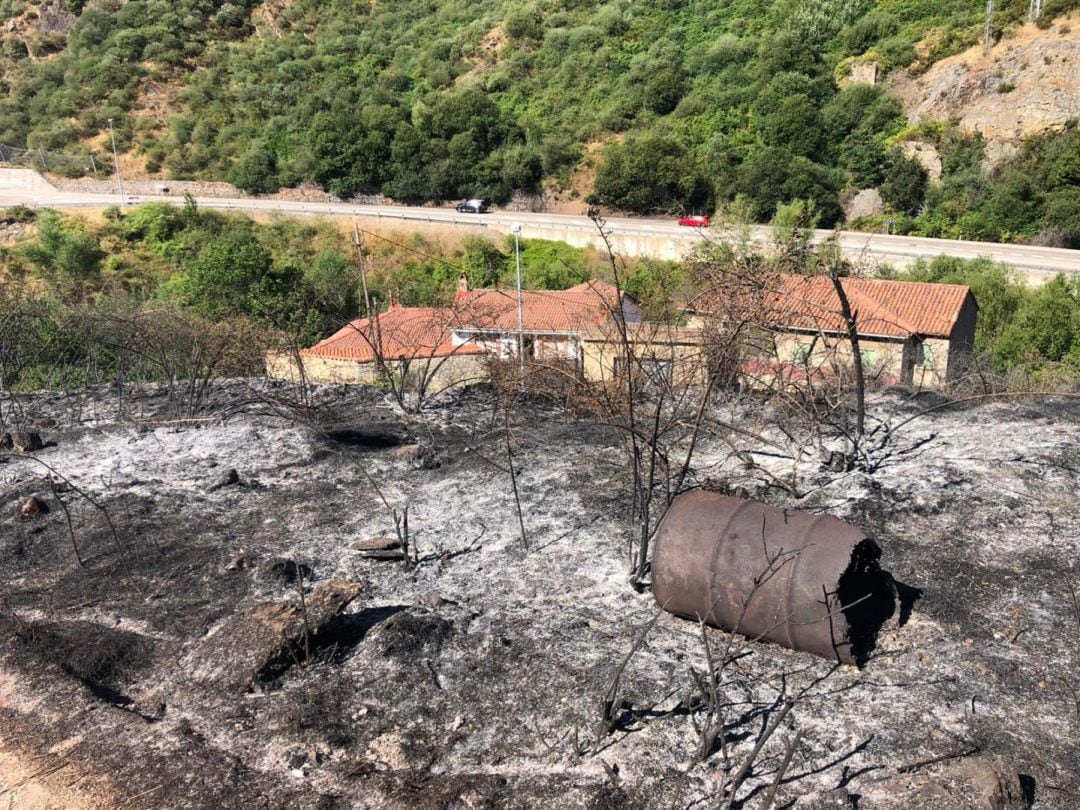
(292, 282)
(1033, 197)
(296, 277)
(1018, 325)
(72, 291)
(699, 100)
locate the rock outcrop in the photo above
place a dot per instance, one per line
(1028, 83)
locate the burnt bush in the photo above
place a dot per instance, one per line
(407, 634)
(321, 707)
(104, 659)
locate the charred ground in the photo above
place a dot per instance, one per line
(477, 676)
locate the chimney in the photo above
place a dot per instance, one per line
(463, 282)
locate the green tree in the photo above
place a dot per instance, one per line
(484, 262)
(228, 278)
(793, 123)
(651, 173)
(903, 182)
(772, 176)
(255, 171)
(332, 283)
(863, 154)
(998, 290)
(352, 151)
(663, 90)
(661, 288)
(1012, 208)
(153, 223)
(547, 265)
(1061, 216)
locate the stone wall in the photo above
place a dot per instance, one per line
(435, 373)
(883, 360)
(148, 188)
(284, 366)
(681, 362)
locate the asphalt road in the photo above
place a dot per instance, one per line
(1039, 263)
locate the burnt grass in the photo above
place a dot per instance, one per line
(476, 677)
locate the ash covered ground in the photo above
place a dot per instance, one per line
(159, 674)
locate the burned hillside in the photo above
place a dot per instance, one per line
(338, 606)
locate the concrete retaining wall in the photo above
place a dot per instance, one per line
(24, 180)
(655, 246)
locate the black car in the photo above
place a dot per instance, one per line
(475, 206)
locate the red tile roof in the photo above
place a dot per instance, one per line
(881, 307)
(414, 332)
(582, 307)
(402, 332)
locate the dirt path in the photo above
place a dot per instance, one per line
(28, 784)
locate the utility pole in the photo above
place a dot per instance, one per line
(516, 228)
(116, 163)
(358, 240)
(1035, 10)
(989, 32)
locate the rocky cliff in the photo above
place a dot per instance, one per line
(1028, 83)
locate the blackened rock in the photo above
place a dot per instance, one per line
(26, 442)
(408, 634)
(258, 637)
(838, 799)
(838, 462)
(230, 478)
(432, 599)
(983, 782)
(428, 458)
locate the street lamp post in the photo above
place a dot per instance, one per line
(116, 163)
(516, 228)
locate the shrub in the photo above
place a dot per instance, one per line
(18, 213)
(69, 254)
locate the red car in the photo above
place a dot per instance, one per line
(695, 221)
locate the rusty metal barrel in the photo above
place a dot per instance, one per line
(808, 582)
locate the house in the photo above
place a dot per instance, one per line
(664, 354)
(551, 324)
(400, 340)
(909, 332)
(914, 333)
(453, 342)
